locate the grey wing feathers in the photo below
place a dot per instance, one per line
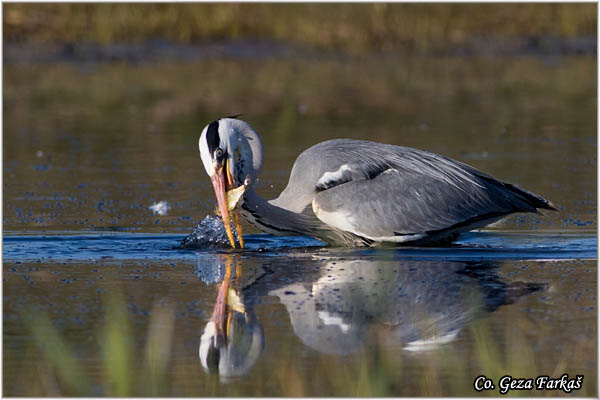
(387, 190)
(401, 204)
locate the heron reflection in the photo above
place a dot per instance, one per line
(232, 340)
(348, 306)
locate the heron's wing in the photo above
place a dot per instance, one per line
(402, 205)
(382, 191)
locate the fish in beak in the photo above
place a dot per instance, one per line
(227, 199)
(219, 181)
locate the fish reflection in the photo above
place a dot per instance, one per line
(347, 306)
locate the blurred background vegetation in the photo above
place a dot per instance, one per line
(354, 27)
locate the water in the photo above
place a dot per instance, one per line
(304, 305)
(470, 246)
(100, 298)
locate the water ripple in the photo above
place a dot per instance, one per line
(127, 246)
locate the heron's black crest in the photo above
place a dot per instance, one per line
(212, 136)
(234, 116)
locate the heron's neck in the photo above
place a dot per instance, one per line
(274, 219)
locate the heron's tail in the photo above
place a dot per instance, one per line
(528, 201)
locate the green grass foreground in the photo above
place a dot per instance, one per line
(150, 370)
(417, 27)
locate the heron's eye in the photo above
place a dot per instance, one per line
(218, 154)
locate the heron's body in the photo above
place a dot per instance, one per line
(357, 193)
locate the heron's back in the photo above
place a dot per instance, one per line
(383, 191)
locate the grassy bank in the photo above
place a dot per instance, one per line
(417, 27)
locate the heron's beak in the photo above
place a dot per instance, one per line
(219, 183)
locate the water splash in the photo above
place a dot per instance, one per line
(209, 233)
(160, 208)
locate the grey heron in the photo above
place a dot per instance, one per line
(356, 192)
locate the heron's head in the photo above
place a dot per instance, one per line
(231, 151)
(234, 352)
